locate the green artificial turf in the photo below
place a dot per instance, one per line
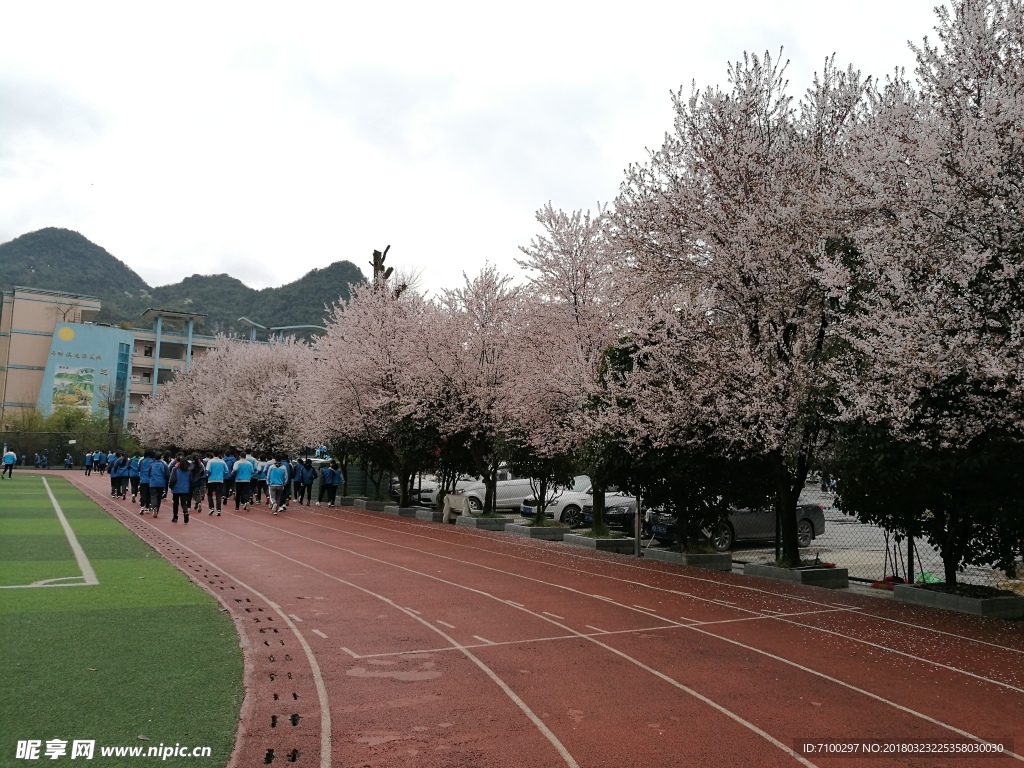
(143, 658)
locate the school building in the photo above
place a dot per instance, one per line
(52, 353)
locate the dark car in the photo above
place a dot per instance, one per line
(749, 525)
(617, 514)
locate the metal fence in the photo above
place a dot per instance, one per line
(871, 553)
(56, 445)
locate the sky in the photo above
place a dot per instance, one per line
(264, 140)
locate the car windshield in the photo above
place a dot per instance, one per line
(581, 484)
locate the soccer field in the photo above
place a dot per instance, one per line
(108, 647)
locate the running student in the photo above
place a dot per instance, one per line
(144, 494)
(133, 474)
(241, 477)
(88, 463)
(277, 481)
(10, 458)
(305, 475)
(216, 472)
(157, 483)
(197, 481)
(330, 479)
(180, 487)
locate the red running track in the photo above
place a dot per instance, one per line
(372, 640)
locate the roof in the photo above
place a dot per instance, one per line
(171, 314)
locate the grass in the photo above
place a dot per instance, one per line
(143, 657)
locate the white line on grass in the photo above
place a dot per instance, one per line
(88, 574)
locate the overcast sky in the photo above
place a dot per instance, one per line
(264, 140)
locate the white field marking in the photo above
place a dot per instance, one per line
(353, 654)
(295, 617)
(886, 648)
(649, 610)
(446, 624)
(318, 679)
(547, 732)
(554, 616)
(413, 610)
(596, 629)
(512, 602)
(527, 641)
(509, 692)
(695, 628)
(851, 687)
(318, 632)
(483, 640)
(466, 533)
(88, 574)
(757, 590)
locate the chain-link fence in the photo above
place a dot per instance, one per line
(871, 553)
(56, 445)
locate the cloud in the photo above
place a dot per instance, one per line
(34, 109)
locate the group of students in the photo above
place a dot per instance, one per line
(219, 476)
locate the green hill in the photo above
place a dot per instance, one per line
(62, 260)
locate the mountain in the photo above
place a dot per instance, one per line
(63, 260)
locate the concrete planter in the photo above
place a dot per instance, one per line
(373, 506)
(547, 532)
(483, 523)
(1008, 607)
(430, 515)
(345, 501)
(716, 561)
(830, 578)
(393, 509)
(624, 546)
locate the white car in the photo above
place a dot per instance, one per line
(509, 492)
(566, 504)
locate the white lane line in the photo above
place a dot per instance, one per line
(642, 608)
(446, 624)
(318, 632)
(597, 629)
(353, 654)
(83, 562)
(695, 628)
(554, 615)
(483, 640)
(295, 617)
(523, 706)
(413, 610)
(517, 605)
(860, 610)
(318, 678)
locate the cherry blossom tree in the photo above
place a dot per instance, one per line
(729, 234)
(237, 393)
(936, 173)
(470, 356)
(363, 390)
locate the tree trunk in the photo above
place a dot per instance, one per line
(599, 524)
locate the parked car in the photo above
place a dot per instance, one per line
(748, 525)
(568, 504)
(618, 513)
(509, 492)
(427, 491)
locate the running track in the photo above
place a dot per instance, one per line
(372, 640)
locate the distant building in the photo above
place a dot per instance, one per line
(51, 353)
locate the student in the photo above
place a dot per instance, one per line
(133, 474)
(180, 485)
(144, 466)
(102, 467)
(36, 460)
(216, 471)
(88, 463)
(306, 474)
(10, 458)
(330, 478)
(197, 481)
(277, 481)
(241, 478)
(157, 484)
(295, 470)
(119, 475)
(68, 461)
(260, 482)
(229, 483)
